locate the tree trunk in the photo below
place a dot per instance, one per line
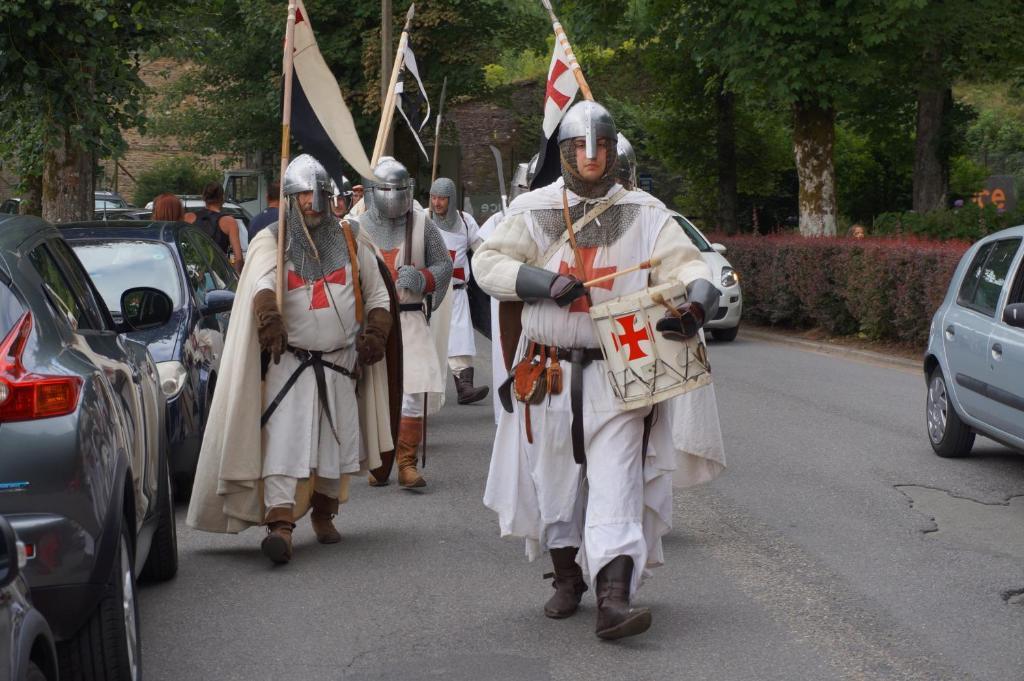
(726, 151)
(931, 158)
(814, 135)
(32, 197)
(67, 183)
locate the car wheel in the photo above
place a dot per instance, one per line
(108, 646)
(950, 437)
(162, 561)
(725, 335)
(34, 673)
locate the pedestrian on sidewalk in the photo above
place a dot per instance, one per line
(268, 215)
(168, 207)
(222, 228)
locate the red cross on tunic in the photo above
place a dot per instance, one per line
(559, 98)
(389, 260)
(458, 273)
(319, 300)
(589, 272)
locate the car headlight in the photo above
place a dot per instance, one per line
(730, 277)
(172, 377)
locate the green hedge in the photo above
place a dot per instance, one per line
(881, 288)
(967, 223)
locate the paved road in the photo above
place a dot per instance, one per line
(836, 546)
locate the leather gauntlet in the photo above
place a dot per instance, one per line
(372, 342)
(685, 326)
(270, 328)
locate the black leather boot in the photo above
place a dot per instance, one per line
(615, 619)
(464, 387)
(568, 583)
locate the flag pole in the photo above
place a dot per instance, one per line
(564, 40)
(387, 114)
(286, 119)
(437, 131)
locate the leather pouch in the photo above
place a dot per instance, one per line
(530, 378)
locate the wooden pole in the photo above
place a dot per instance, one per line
(563, 39)
(437, 131)
(286, 118)
(645, 265)
(387, 114)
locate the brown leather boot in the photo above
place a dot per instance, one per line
(379, 477)
(615, 619)
(568, 583)
(464, 387)
(324, 509)
(277, 545)
(410, 434)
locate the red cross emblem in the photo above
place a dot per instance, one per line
(389, 259)
(559, 98)
(631, 336)
(589, 272)
(319, 300)
(458, 273)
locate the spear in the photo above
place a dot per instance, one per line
(564, 40)
(437, 130)
(388, 112)
(286, 118)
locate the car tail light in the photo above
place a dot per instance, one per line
(25, 396)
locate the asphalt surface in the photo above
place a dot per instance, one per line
(835, 546)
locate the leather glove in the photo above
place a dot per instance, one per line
(685, 326)
(270, 328)
(411, 279)
(372, 342)
(566, 288)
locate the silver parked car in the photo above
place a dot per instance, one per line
(974, 364)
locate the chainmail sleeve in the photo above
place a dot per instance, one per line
(439, 262)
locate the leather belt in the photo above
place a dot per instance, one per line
(579, 358)
(307, 359)
(410, 307)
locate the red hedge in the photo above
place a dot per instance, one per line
(879, 287)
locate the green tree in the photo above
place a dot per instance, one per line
(69, 85)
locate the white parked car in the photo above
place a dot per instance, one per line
(726, 324)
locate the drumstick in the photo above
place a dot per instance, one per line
(660, 300)
(645, 265)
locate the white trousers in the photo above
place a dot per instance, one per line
(459, 362)
(279, 490)
(412, 405)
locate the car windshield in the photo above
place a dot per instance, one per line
(699, 241)
(116, 266)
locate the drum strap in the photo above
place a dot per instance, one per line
(591, 215)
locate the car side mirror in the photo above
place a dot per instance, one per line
(145, 308)
(218, 301)
(719, 247)
(11, 554)
(1014, 315)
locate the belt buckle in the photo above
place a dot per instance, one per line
(302, 354)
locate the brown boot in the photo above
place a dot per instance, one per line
(615, 619)
(464, 387)
(569, 584)
(324, 509)
(379, 477)
(410, 434)
(277, 545)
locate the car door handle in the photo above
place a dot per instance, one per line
(950, 332)
(997, 351)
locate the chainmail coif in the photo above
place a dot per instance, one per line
(609, 227)
(327, 237)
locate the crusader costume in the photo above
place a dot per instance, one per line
(419, 263)
(323, 413)
(461, 235)
(577, 474)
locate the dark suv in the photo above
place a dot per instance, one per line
(84, 478)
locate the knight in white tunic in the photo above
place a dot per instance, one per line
(461, 235)
(579, 474)
(415, 253)
(333, 324)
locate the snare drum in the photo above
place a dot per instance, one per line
(643, 366)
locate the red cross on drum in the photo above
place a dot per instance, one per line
(643, 366)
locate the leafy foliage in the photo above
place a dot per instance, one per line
(178, 175)
(968, 222)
